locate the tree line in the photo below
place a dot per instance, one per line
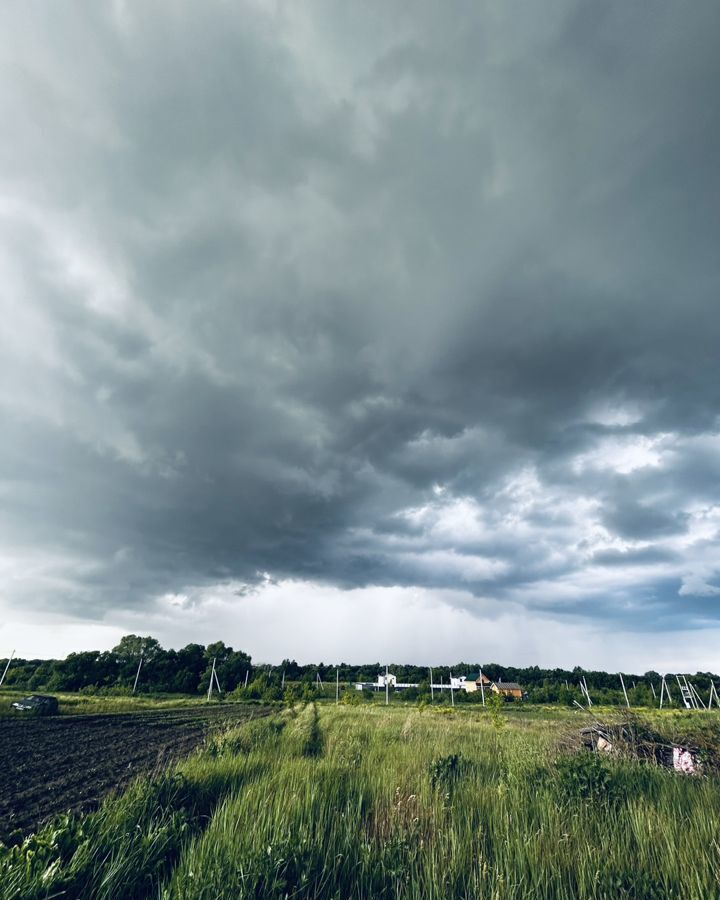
(188, 670)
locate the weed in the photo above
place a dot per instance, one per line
(445, 770)
(586, 776)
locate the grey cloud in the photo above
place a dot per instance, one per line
(268, 288)
(641, 522)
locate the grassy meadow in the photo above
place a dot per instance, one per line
(374, 801)
(99, 704)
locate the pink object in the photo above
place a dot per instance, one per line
(683, 761)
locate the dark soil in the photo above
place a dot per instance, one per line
(52, 765)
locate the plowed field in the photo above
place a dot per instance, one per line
(51, 765)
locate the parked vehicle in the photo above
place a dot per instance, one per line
(37, 704)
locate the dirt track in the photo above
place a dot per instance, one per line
(51, 765)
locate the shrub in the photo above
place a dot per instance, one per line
(445, 770)
(495, 704)
(352, 698)
(585, 776)
(246, 738)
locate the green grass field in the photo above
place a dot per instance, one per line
(366, 802)
(91, 704)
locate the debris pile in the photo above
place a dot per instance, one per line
(635, 740)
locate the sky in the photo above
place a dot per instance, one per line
(354, 332)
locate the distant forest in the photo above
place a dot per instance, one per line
(187, 671)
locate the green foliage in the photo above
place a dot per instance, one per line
(351, 697)
(445, 770)
(306, 735)
(585, 775)
(246, 738)
(292, 695)
(496, 704)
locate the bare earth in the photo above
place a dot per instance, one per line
(52, 765)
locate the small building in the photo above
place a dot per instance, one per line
(472, 683)
(384, 680)
(509, 689)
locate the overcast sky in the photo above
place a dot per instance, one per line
(362, 330)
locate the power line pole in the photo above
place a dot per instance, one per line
(212, 676)
(137, 674)
(7, 667)
(387, 687)
(622, 682)
(337, 686)
(432, 689)
(217, 683)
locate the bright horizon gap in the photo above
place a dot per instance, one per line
(271, 622)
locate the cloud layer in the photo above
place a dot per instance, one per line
(337, 296)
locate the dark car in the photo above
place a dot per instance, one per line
(38, 705)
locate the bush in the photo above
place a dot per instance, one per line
(445, 770)
(246, 738)
(585, 776)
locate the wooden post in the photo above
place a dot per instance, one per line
(137, 674)
(10, 658)
(698, 698)
(713, 696)
(622, 682)
(665, 691)
(212, 675)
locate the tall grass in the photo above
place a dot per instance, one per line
(373, 815)
(91, 704)
(356, 802)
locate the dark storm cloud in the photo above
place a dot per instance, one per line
(339, 295)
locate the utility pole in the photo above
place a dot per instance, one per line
(432, 689)
(665, 691)
(452, 695)
(337, 686)
(137, 674)
(217, 683)
(7, 667)
(713, 696)
(482, 687)
(387, 687)
(212, 677)
(247, 675)
(622, 682)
